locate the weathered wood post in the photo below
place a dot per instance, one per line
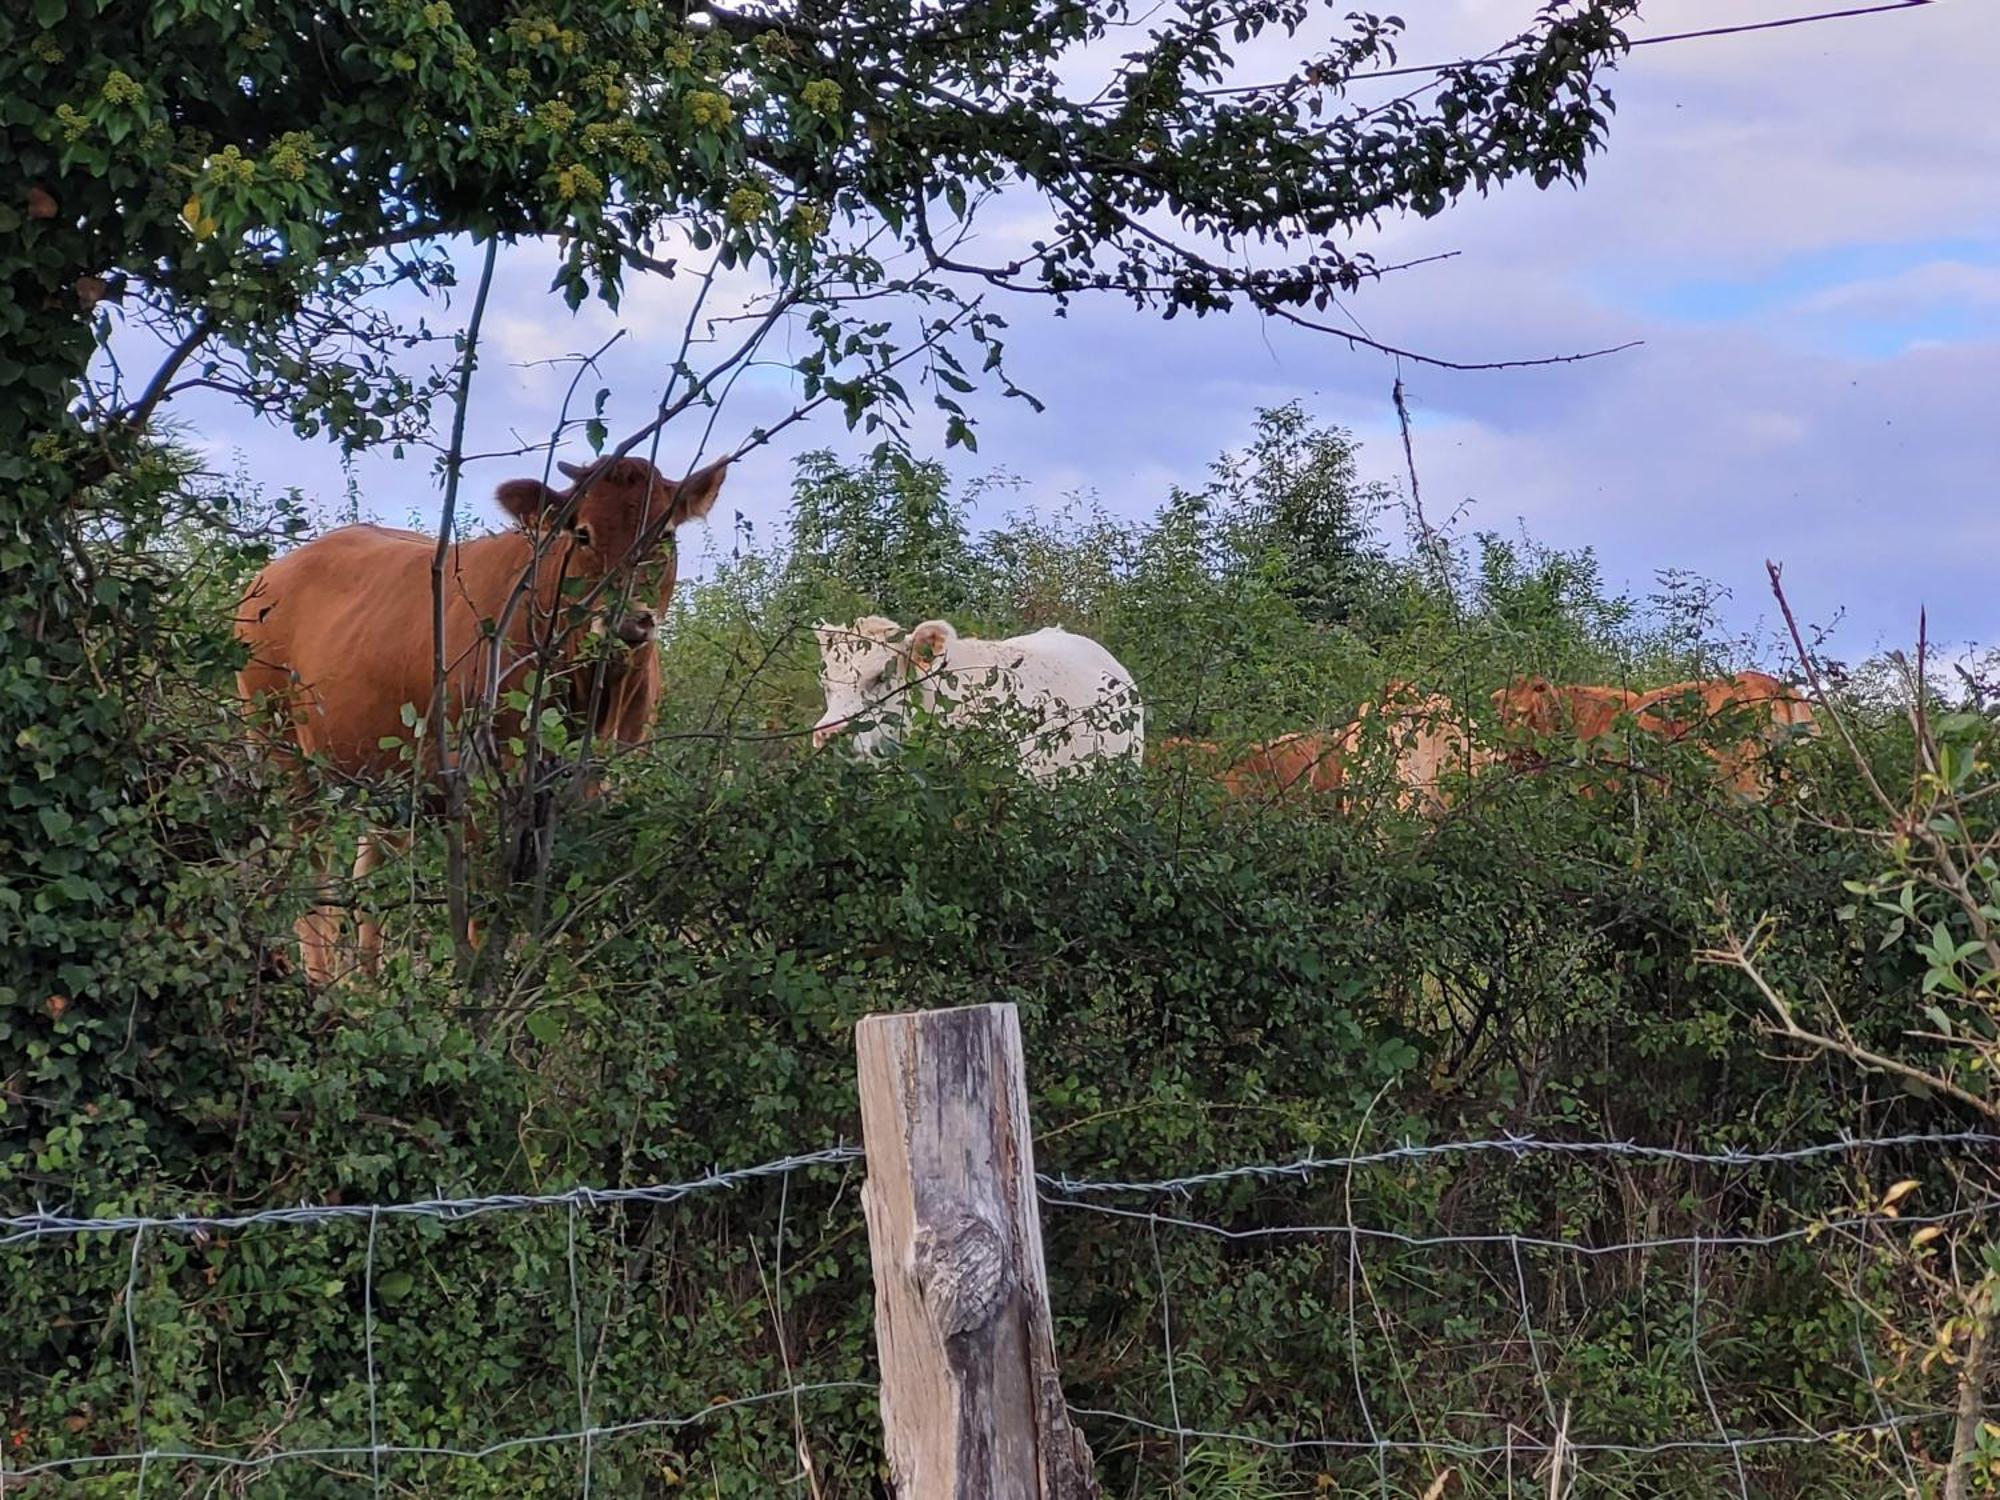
(972, 1405)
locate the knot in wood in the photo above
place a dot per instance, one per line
(962, 1267)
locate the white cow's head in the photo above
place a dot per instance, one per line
(869, 675)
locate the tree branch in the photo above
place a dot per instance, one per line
(455, 887)
(1734, 955)
(157, 389)
(1811, 669)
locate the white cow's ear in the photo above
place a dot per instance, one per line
(876, 628)
(928, 642)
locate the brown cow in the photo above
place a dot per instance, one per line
(1303, 761)
(341, 633)
(1535, 708)
(1429, 739)
(1423, 732)
(1684, 709)
(1544, 708)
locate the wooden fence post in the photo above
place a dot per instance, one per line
(972, 1405)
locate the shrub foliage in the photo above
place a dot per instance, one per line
(1201, 983)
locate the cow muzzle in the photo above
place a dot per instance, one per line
(826, 731)
(637, 628)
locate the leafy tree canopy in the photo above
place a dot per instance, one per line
(248, 173)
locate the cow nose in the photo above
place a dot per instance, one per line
(824, 732)
(636, 628)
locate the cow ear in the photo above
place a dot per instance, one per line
(694, 496)
(525, 499)
(875, 628)
(928, 642)
(572, 471)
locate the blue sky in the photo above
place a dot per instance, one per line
(1803, 226)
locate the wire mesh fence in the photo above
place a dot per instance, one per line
(142, 1448)
(1507, 1359)
(1607, 1364)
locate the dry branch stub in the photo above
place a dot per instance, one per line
(972, 1403)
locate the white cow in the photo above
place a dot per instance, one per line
(1068, 701)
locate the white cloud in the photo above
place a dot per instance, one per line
(1938, 284)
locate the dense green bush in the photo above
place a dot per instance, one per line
(1200, 983)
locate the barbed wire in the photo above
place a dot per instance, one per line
(1056, 1187)
(42, 1224)
(1076, 1195)
(1540, 1369)
(1516, 1146)
(585, 1436)
(1529, 1241)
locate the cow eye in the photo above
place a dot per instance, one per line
(582, 535)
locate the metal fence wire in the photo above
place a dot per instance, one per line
(1160, 1209)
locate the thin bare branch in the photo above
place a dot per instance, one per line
(1824, 699)
(1734, 954)
(454, 465)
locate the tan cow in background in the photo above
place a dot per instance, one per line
(1684, 709)
(1424, 735)
(1307, 762)
(1534, 708)
(1430, 740)
(1547, 709)
(1679, 711)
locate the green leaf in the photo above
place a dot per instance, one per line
(394, 1287)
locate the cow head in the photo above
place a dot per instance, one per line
(866, 672)
(618, 516)
(1791, 716)
(1530, 703)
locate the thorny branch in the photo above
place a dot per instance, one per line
(1932, 822)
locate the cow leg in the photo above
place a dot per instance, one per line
(319, 929)
(375, 845)
(1742, 769)
(472, 841)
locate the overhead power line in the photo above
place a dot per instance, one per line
(1780, 22)
(1775, 23)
